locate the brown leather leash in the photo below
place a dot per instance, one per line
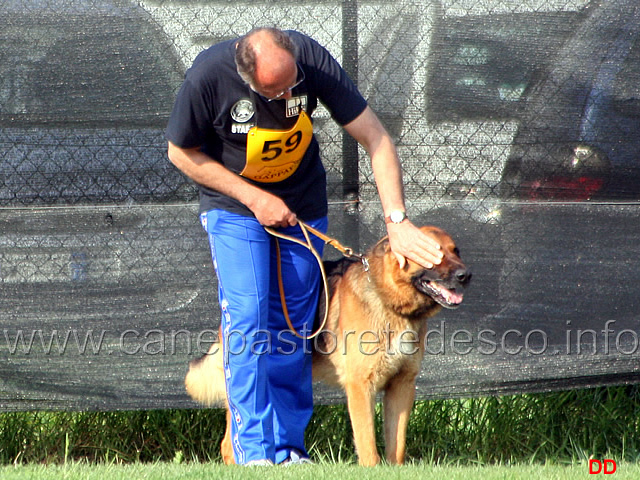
(306, 229)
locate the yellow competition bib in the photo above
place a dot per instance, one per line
(273, 155)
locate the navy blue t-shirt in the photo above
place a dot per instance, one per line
(214, 110)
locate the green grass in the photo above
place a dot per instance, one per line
(564, 428)
(329, 471)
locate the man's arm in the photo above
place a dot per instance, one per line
(405, 239)
(269, 209)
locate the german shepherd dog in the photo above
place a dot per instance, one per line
(373, 341)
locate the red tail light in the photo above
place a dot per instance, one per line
(564, 188)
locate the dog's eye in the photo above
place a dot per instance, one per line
(457, 252)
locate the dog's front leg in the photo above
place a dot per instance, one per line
(361, 404)
(398, 402)
(226, 449)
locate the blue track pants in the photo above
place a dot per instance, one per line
(267, 368)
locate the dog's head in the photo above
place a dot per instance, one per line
(445, 282)
(415, 290)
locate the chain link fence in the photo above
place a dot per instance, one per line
(87, 87)
(518, 125)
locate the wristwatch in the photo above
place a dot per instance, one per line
(396, 216)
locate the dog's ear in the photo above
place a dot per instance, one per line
(382, 247)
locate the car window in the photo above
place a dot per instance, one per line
(626, 92)
(90, 69)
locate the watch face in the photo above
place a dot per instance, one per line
(397, 216)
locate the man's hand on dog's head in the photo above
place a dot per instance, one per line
(409, 242)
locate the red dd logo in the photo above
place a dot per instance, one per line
(607, 466)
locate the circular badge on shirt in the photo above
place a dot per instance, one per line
(242, 111)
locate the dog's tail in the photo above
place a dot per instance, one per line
(205, 381)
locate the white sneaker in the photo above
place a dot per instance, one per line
(259, 463)
(296, 458)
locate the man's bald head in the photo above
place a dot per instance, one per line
(266, 56)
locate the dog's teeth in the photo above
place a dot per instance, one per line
(453, 297)
(449, 295)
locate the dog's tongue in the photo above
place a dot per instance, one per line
(450, 296)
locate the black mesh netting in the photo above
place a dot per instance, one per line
(518, 124)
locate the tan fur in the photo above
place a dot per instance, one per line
(205, 379)
(373, 341)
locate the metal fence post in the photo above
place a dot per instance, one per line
(350, 178)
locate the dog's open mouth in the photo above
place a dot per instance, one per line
(444, 296)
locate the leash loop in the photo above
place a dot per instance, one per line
(346, 251)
